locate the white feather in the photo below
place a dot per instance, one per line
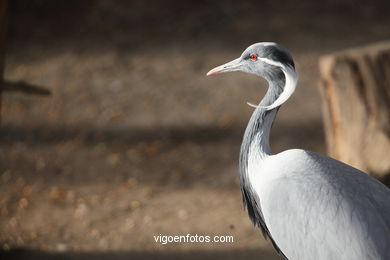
(291, 82)
(316, 207)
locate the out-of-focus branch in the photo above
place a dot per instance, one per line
(24, 87)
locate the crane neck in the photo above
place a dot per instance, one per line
(255, 145)
(257, 133)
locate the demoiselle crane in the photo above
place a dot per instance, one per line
(309, 205)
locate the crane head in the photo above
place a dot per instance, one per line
(262, 59)
(268, 60)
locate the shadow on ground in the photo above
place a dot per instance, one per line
(48, 134)
(21, 254)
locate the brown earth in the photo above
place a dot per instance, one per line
(134, 140)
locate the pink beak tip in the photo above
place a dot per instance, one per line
(212, 72)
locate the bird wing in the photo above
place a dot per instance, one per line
(250, 200)
(319, 208)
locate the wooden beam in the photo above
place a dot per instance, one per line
(3, 30)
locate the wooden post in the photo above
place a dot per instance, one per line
(355, 88)
(3, 29)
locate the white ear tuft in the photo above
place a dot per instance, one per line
(290, 85)
(252, 105)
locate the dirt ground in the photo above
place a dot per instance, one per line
(134, 141)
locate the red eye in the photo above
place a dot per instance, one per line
(253, 57)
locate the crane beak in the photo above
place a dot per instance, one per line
(233, 65)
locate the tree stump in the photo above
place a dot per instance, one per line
(355, 89)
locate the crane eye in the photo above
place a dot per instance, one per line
(253, 57)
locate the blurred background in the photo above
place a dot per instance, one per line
(133, 140)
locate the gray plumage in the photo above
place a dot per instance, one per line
(309, 205)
